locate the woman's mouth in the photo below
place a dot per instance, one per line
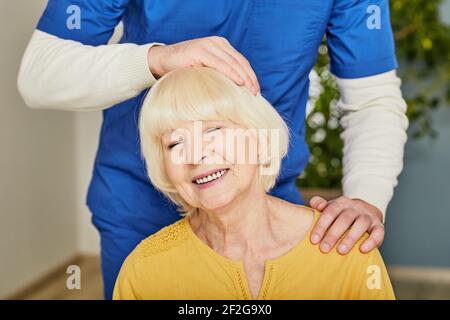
(211, 179)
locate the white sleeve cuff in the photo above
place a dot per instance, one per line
(376, 191)
(136, 64)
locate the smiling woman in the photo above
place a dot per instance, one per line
(235, 241)
(195, 107)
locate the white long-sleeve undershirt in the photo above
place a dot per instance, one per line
(67, 75)
(374, 126)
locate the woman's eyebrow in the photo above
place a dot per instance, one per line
(215, 123)
(172, 136)
(167, 138)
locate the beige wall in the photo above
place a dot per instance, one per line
(87, 128)
(45, 166)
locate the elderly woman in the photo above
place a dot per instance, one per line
(214, 149)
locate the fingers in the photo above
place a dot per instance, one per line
(360, 225)
(245, 64)
(375, 238)
(337, 229)
(318, 203)
(237, 61)
(214, 61)
(325, 220)
(340, 215)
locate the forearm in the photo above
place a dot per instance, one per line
(67, 75)
(374, 134)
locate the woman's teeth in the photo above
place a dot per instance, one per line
(211, 177)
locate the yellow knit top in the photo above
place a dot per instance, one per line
(175, 264)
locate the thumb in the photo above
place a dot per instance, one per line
(318, 203)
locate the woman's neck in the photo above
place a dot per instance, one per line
(246, 224)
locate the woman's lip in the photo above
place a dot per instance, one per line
(212, 182)
(207, 174)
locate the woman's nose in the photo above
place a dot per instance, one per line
(205, 146)
(201, 153)
(200, 160)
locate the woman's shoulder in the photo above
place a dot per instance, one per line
(300, 218)
(145, 271)
(360, 265)
(310, 216)
(167, 239)
(293, 210)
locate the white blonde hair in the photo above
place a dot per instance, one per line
(202, 94)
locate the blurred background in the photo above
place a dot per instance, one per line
(47, 159)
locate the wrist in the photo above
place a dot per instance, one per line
(374, 210)
(153, 60)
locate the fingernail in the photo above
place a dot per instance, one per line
(315, 238)
(254, 90)
(342, 248)
(325, 247)
(364, 247)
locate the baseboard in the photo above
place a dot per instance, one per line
(419, 274)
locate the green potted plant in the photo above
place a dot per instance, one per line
(423, 50)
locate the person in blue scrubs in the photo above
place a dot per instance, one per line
(279, 38)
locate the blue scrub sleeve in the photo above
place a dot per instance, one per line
(90, 22)
(360, 38)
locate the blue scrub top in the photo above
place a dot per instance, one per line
(279, 38)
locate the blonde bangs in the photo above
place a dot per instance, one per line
(185, 96)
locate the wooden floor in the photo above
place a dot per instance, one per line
(54, 287)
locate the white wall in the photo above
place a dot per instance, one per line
(87, 127)
(38, 212)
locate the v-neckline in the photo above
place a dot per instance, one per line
(269, 264)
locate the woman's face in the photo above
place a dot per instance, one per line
(211, 162)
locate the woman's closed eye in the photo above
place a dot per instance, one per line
(173, 144)
(213, 129)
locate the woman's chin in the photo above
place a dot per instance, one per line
(215, 202)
